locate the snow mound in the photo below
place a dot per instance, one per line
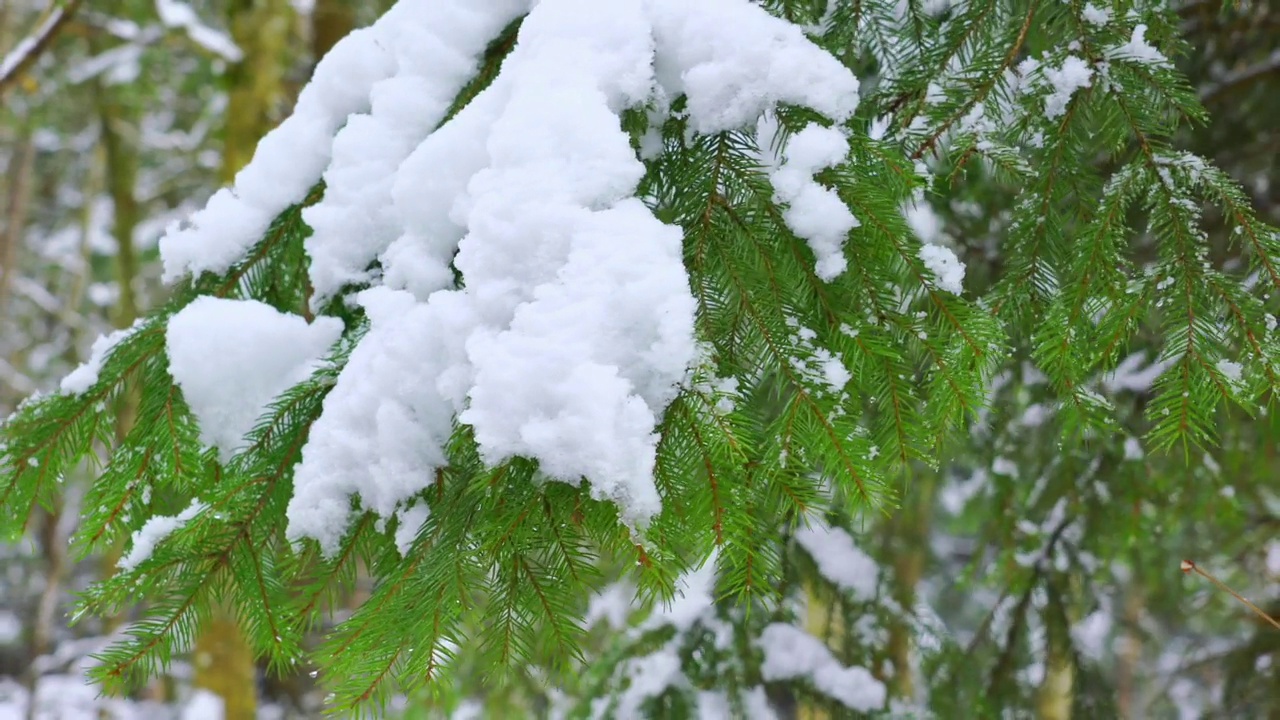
(231, 358)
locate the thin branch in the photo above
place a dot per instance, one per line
(1239, 78)
(1189, 567)
(29, 49)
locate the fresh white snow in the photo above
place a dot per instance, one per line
(839, 559)
(436, 51)
(948, 271)
(290, 159)
(575, 325)
(1096, 16)
(79, 381)
(790, 653)
(1072, 75)
(411, 521)
(1134, 375)
(180, 15)
(19, 53)
(231, 358)
(204, 705)
(733, 61)
(813, 212)
(153, 531)
(1138, 50)
(1273, 558)
(1232, 371)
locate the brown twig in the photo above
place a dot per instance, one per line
(1189, 567)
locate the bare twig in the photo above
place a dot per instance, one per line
(1190, 567)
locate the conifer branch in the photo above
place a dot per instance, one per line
(985, 88)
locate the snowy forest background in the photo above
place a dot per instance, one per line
(1025, 571)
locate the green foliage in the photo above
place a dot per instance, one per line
(1102, 247)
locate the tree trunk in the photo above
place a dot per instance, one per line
(1128, 698)
(224, 664)
(1057, 691)
(256, 90)
(331, 20)
(909, 547)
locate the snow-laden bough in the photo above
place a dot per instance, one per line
(575, 327)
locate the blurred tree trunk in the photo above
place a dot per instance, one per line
(1128, 700)
(1056, 694)
(908, 545)
(331, 20)
(119, 128)
(255, 85)
(224, 662)
(18, 201)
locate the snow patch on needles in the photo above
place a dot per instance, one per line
(1072, 75)
(155, 530)
(839, 559)
(435, 52)
(214, 344)
(1096, 16)
(733, 60)
(575, 327)
(947, 269)
(813, 212)
(1138, 50)
(82, 378)
(790, 652)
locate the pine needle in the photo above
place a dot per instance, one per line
(1188, 567)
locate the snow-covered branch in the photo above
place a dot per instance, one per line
(28, 50)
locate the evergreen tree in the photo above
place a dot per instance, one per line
(524, 299)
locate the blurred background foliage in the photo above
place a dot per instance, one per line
(1053, 564)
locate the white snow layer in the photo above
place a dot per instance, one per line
(1138, 50)
(813, 212)
(1072, 75)
(733, 60)
(575, 326)
(10, 61)
(839, 559)
(79, 381)
(790, 652)
(292, 157)
(1096, 16)
(204, 705)
(947, 269)
(435, 54)
(153, 531)
(231, 358)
